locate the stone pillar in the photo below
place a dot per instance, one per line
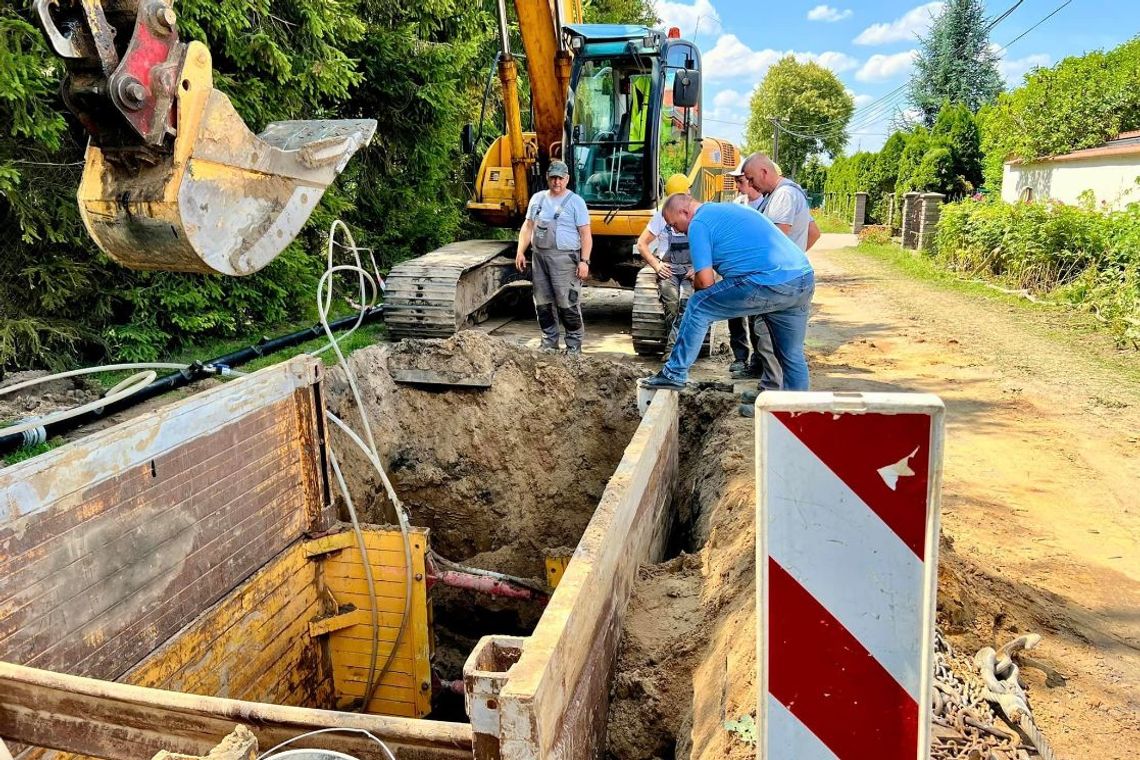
(911, 204)
(860, 215)
(928, 220)
(891, 214)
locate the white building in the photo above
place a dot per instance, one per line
(1111, 171)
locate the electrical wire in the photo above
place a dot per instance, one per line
(268, 753)
(1039, 23)
(885, 103)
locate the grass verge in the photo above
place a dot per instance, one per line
(1052, 318)
(831, 224)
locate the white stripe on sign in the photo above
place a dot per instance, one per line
(871, 581)
(787, 737)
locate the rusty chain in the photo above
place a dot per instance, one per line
(965, 724)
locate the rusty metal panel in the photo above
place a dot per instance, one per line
(112, 544)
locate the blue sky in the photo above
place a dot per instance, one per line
(869, 46)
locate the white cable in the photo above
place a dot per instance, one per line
(88, 371)
(373, 601)
(369, 292)
(123, 389)
(266, 754)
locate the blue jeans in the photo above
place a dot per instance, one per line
(785, 308)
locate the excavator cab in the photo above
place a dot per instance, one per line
(173, 179)
(625, 132)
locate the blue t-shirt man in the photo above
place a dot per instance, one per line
(764, 273)
(736, 240)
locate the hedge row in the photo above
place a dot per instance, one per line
(1087, 257)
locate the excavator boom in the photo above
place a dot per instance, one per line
(173, 179)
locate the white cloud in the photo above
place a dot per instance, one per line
(1013, 70)
(730, 59)
(862, 100)
(837, 62)
(726, 99)
(880, 68)
(914, 22)
(698, 19)
(728, 115)
(827, 13)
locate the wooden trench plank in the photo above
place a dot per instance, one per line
(123, 722)
(151, 524)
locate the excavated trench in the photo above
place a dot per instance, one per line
(686, 661)
(501, 476)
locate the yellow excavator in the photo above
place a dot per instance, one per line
(620, 104)
(173, 178)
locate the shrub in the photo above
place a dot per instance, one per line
(875, 234)
(1086, 257)
(1079, 103)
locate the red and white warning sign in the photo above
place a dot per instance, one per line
(846, 548)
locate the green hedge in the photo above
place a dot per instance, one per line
(1087, 257)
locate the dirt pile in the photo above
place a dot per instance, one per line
(979, 608)
(497, 474)
(45, 398)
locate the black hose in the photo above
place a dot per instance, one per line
(196, 371)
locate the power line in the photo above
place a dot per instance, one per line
(1039, 23)
(824, 132)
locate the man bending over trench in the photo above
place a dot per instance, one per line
(763, 272)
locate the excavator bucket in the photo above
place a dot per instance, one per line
(224, 200)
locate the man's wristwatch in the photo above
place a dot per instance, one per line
(584, 261)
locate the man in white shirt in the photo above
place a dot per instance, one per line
(785, 203)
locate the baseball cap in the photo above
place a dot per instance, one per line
(558, 169)
(737, 172)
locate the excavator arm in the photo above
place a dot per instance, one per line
(173, 179)
(548, 67)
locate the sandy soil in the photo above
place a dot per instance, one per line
(500, 475)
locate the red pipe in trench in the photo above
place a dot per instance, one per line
(484, 585)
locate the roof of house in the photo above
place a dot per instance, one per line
(1124, 144)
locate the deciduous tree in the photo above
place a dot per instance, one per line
(812, 109)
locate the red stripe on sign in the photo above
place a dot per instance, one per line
(825, 678)
(856, 447)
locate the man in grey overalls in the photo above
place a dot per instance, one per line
(558, 227)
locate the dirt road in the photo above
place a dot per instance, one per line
(1041, 496)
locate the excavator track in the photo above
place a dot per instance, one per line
(437, 294)
(649, 331)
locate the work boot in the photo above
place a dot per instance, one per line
(573, 350)
(747, 410)
(746, 372)
(749, 396)
(547, 346)
(737, 367)
(660, 382)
